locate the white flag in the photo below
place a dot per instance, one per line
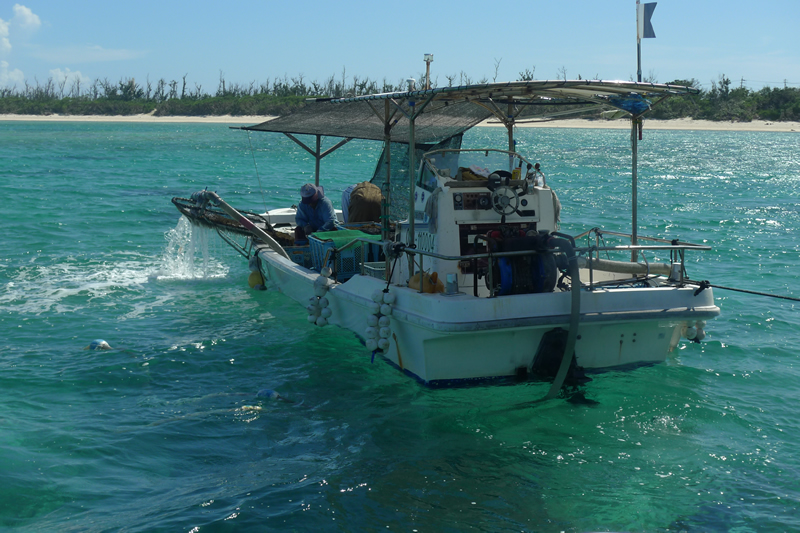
(644, 29)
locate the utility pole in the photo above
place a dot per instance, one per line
(428, 60)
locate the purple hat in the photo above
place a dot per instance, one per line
(308, 191)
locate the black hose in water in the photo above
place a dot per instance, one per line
(575, 313)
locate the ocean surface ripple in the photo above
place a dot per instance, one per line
(166, 432)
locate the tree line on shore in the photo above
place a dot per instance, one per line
(722, 102)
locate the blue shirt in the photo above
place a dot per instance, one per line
(322, 217)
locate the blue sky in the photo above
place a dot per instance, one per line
(257, 41)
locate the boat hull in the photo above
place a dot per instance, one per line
(444, 339)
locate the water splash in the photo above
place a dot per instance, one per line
(187, 245)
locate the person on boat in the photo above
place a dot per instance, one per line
(315, 213)
(362, 203)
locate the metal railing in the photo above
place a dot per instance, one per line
(676, 248)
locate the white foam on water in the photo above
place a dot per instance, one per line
(71, 284)
(74, 283)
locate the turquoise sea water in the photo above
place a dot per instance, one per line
(165, 432)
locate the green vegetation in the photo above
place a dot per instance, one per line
(282, 95)
(738, 104)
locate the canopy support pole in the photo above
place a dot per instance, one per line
(318, 154)
(510, 128)
(412, 188)
(634, 184)
(387, 192)
(414, 112)
(316, 160)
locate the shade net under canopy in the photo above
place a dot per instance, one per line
(449, 111)
(358, 120)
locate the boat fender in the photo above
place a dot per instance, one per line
(378, 330)
(319, 312)
(321, 286)
(695, 333)
(326, 272)
(313, 309)
(701, 334)
(255, 280)
(320, 291)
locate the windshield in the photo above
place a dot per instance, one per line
(478, 164)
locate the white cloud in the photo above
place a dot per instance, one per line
(9, 78)
(5, 44)
(25, 18)
(71, 77)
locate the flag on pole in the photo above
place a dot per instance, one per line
(644, 29)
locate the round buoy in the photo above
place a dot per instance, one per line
(255, 279)
(98, 344)
(383, 344)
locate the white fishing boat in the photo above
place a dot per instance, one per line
(469, 277)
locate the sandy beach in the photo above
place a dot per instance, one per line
(224, 119)
(675, 124)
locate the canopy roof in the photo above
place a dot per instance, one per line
(447, 111)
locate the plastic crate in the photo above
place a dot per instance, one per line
(347, 262)
(300, 255)
(375, 270)
(371, 228)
